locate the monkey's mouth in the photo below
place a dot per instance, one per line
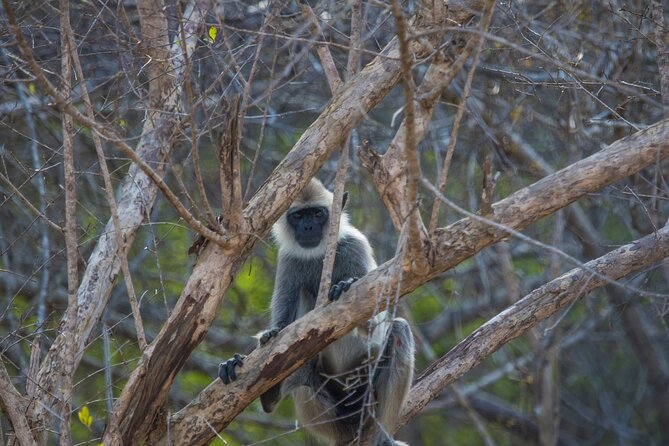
(309, 243)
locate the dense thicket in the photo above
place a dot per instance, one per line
(554, 83)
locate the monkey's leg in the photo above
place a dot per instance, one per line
(323, 406)
(300, 377)
(392, 378)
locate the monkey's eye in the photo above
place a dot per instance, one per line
(296, 215)
(319, 214)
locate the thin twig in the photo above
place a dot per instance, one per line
(67, 48)
(477, 41)
(410, 143)
(211, 218)
(332, 236)
(109, 190)
(29, 205)
(106, 358)
(263, 124)
(107, 133)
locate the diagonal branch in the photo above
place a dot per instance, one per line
(530, 310)
(13, 404)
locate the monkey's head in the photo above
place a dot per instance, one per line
(301, 230)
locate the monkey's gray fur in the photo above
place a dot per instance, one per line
(355, 388)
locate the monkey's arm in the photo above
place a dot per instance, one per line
(354, 259)
(284, 304)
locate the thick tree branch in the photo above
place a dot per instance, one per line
(13, 404)
(217, 405)
(532, 309)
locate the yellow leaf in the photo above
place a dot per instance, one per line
(123, 124)
(212, 34)
(85, 417)
(31, 88)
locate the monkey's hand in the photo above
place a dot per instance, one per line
(226, 370)
(339, 288)
(266, 335)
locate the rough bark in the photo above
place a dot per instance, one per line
(13, 404)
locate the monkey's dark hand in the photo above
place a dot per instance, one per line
(339, 288)
(226, 370)
(267, 335)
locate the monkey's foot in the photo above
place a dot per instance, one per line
(226, 370)
(267, 335)
(339, 288)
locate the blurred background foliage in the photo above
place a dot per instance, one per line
(600, 359)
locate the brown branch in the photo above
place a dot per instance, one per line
(229, 171)
(208, 212)
(68, 329)
(217, 405)
(477, 43)
(662, 44)
(14, 405)
(109, 190)
(332, 235)
(532, 309)
(322, 50)
(410, 144)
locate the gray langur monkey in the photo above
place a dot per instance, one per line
(355, 388)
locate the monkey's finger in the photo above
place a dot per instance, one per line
(335, 292)
(223, 372)
(267, 335)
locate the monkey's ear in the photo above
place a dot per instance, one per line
(344, 200)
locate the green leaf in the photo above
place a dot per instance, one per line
(85, 417)
(212, 34)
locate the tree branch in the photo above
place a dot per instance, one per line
(532, 309)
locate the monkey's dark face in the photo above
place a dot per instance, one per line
(308, 225)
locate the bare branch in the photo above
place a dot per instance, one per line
(477, 42)
(68, 329)
(532, 309)
(230, 174)
(14, 406)
(662, 43)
